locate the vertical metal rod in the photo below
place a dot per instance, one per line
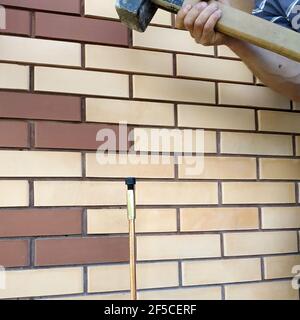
(131, 213)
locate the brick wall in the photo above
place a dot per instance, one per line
(69, 68)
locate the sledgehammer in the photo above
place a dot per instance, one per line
(137, 15)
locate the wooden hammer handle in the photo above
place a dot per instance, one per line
(244, 26)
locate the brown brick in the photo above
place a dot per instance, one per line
(69, 6)
(81, 250)
(39, 106)
(13, 134)
(17, 22)
(14, 253)
(80, 29)
(39, 222)
(71, 136)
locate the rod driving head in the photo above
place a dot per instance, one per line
(136, 14)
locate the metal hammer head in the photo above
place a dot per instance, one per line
(136, 14)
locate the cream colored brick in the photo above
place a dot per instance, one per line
(212, 68)
(220, 271)
(215, 219)
(245, 95)
(171, 89)
(116, 277)
(176, 193)
(42, 282)
(218, 168)
(79, 193)
(129, 165)
(14, 76)
(107, 9)
(107, 296)
(255, 243)
(39, 164)
(14, 193)
(191, 142)
(178, 247)
(280, 169)
(280, 217)
(170, 40)
(209, 293)
(279, 121)
(257, 144)
(280, 290)
(102, 221)
(132, 112)
(216, 117)
(40, 51)
(258, 192)
(113, 58)
(298, 146)
(281, 266)
(296, 105)
(224, 51)
(80, 82)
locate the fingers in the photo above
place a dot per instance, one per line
(192, 15)
(204, 29)
(181, 16)
(200, 20)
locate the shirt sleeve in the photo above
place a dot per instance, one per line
(274, 11)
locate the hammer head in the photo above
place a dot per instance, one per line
(136, 14)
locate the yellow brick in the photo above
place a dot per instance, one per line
(255, 243)
(224, 51)
(107, 9)
(129, 165)
(280, 217)
(212, 68)
(176, 193)
(281, 266)
(220, 271)
(116, 277)
(215, 219)
(170, 40)
(109, 296)
(132, 112)
(252, 143)
(218, 168)
(279, 121)
(216, 117)
(167, 140)
(280, 169)
(258, 192)
(42, 282)
(280, 290)
(178, 247)
(209, 293)
(102, 221)
(113, 58)
(14, 76)
(245, 95)
(296, 105)
(81, 82)
(81, 193)
(170, 89)
(40, 51)
(14, 193)
(40, 164)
